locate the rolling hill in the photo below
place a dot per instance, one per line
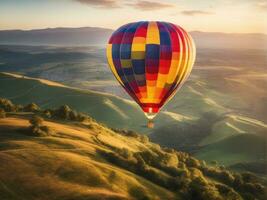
(90, 161)
(67, 165)
(195, 132)
(228, 151)
(109, 109)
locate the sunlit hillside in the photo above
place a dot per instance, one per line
(56, 158)
(207, 135)
(133, 100)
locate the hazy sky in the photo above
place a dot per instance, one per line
(240, 16)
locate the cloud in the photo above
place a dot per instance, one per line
(100, 3)
(262, 5)
(196, 12)
(149, 5)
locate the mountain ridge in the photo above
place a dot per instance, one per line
(82, 36)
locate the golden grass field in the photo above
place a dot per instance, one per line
(66, 165)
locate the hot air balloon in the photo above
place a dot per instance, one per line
(151, 60)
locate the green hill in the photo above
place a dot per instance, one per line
(233, 125)
(109, 109)
(228, 139)
(222, 102)
(86, 160)
(112, 110)
(236, 149)
(202, 122)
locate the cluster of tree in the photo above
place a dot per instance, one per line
(63, 112)
(139, 193)
(66, 113)
(246, 183)
(188, 177)
(37, 128)
(130, 133)
(32, 107)
(8, 106)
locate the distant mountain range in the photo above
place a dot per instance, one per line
(99, 36)
(230, 40)
(56, 36)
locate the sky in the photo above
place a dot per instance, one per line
(230, 16)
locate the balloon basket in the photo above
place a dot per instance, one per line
(150, 124)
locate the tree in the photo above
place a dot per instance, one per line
(73, 115)
(36, 121)
(37, 128)
(139, 193)
(201, 189)
(125, 153)
(7, 105)
(47, 113)
(192, 162)
(32, 107)
(144, 139)
(227, 177)
(64, 112)
(2, 113)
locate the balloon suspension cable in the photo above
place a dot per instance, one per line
(150, 116)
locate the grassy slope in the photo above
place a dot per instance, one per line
(236, 140)
(198, 97)
(111, 110)
(173, 130)
(66, 165)
(236, 149)
(53, 96)
(233, 125)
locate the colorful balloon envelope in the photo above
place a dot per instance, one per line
(151, 61)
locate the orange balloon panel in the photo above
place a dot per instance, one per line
(151, 60)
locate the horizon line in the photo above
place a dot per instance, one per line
(65, 27)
